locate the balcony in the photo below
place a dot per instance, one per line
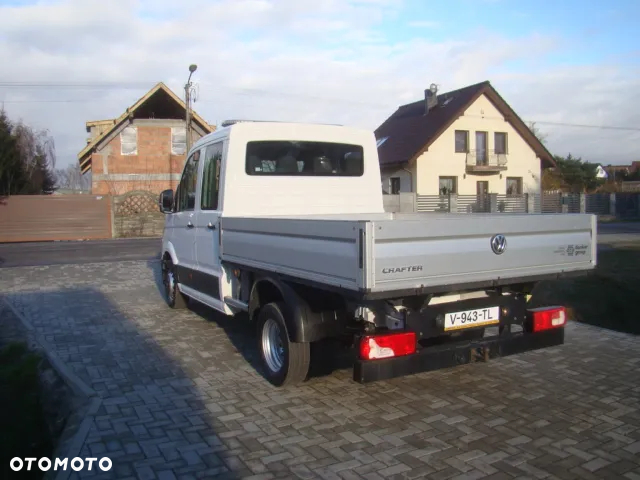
(486, 161)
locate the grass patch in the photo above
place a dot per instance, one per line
(607, 298)
(24, 430)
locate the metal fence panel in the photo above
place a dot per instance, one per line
(32, 218)
(432, 203)
(627, 205)
(474, 204)
(551, 203)
(512, 203)
(598, 203)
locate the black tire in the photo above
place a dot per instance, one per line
(174, 297)
(294, 357)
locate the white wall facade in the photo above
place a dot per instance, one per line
(441, 159)
(406, 176)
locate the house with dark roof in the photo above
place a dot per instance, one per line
(467, 142)
(144, 148)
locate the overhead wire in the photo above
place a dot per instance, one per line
(238, 91)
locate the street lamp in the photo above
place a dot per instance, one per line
(187, 95)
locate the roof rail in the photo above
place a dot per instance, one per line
(228, 123)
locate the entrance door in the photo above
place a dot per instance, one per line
(208, 225)
(482, 192)
(481, 148)
(183, 220)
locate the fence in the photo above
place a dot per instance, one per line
(29, 218)
(39, 218)
(620, 205)
(136, 214)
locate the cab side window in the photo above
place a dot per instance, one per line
(211, 176)
(186, 192)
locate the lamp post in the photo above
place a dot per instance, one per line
(187, 95)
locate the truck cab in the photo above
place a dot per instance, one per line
(262, 169)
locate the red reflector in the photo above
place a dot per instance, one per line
(548, 317)
(388, 345)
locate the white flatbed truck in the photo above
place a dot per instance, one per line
(285, 224)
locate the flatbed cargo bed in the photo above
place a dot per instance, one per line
(384, 254)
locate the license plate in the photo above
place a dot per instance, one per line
(472, 318)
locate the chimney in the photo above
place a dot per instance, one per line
(430, 98)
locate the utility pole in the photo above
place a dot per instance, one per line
(187, 96)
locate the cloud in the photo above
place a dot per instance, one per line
(335, 61)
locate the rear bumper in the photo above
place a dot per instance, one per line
(444, 356)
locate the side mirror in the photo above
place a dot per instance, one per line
(165, 202)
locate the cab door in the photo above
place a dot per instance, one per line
(183, 222)
(208, 223)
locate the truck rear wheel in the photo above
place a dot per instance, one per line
(285, 362)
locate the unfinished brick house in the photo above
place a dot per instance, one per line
(142, 149)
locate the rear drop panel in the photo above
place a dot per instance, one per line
(462, 249)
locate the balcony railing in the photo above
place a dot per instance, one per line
(486, 161)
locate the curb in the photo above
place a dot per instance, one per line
(92, 400)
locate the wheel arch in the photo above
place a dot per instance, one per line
(310, 314)
(168, 250)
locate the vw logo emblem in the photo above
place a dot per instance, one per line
(498, 244)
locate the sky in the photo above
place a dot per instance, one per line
(572, 67)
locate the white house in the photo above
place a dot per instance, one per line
(601, 172)
(468, 141)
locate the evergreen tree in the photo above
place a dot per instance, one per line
(12, 173)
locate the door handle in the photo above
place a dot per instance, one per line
(211, 226)
(189, 225)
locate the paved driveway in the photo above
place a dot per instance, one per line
(181, 398)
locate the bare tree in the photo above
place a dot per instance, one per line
(27, 159)
(538, 134)
(72, 178)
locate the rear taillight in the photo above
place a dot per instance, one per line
(387, 345)
(547, 318)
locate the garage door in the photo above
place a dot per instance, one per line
(28, 218)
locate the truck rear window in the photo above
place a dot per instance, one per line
(304, 158)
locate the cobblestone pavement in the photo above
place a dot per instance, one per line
(182, 399)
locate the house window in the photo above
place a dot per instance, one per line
(178, 140)
(395, 185)
(129, 141)
(448, 185)
(514, 185)
(462, 141)
(500, 142)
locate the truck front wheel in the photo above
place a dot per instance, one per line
(175, 298)
(284, 362)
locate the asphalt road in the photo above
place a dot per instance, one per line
(619, 228)
(56, 253)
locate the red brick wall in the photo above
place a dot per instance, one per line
(119, 187)
(154, 157)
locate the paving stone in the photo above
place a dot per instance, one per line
(182, 399)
